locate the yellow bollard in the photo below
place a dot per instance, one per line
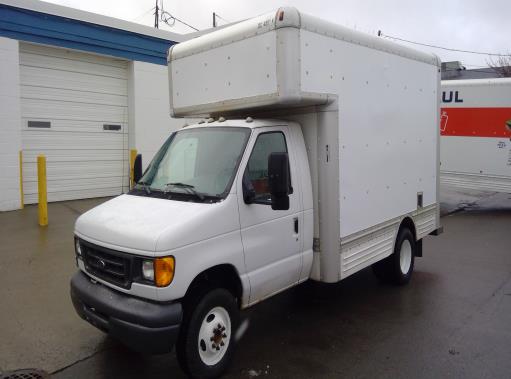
(41, 185)
(22, 197)
(133, 155)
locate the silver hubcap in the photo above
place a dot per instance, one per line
(405, 256)
(214, 336)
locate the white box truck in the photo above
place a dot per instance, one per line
(318, 157)
(476, 134)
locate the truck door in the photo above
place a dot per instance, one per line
(271, 238)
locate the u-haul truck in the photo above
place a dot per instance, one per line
(318, 157)
(475, 125)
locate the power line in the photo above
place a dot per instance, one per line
(221, 18)
(442, 47)
(170, 19)
(215, 16)
(142, 14)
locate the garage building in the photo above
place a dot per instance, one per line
(82, 89)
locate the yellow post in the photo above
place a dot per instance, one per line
(133, 155)
(22, 198)
(41, 185)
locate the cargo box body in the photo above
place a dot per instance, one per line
(368, 110)
(476, 134)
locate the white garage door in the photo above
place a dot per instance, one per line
(74, 109)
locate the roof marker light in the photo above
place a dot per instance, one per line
(210, 120)
(249, 119)
(221, 119)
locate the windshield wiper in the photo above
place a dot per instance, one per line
(145, 186)
(188, 187)
(179, 184)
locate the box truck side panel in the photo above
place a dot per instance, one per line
(368, 109)
(476, 134)
(388, 114)
(221, 74)
(385, 149)
(215, 80)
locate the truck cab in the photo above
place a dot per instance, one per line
(201, 216)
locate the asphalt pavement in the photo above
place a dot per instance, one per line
(452, 321)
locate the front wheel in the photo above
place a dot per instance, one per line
(206, 339)
(398, 267)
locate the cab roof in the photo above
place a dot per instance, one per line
(240, 122)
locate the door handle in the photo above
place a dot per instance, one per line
(296, 224)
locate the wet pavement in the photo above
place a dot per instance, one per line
(37, 325)
(452, 320)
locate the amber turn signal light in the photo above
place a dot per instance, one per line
(164, 271)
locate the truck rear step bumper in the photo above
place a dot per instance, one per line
(144, 326)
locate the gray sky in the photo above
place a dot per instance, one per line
(476, 25)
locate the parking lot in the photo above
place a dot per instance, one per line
(452, 320)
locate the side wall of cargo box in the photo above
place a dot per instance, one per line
(373, 150)
(369, 112)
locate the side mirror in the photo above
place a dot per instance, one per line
(278, 178)
(248, 190)
(137, 168)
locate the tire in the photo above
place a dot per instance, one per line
(206, 340)
(398, 267)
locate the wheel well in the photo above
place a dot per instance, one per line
(221, 276)
(408, 223)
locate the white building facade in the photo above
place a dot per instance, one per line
(83, 90)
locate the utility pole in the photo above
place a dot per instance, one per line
(214, 19)
(156, 15)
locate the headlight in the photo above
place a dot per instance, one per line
(148, 270)
(78, 248)
(164, 271)
(159, 271)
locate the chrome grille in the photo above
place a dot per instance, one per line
(106, 264)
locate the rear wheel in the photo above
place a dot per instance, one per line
(206, 340)
(398, 267)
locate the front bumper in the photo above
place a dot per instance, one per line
(143, 325)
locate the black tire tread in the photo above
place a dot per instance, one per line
(195, 306)
(388, 270)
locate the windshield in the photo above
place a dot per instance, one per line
(198, 162)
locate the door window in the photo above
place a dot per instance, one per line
(257, 167)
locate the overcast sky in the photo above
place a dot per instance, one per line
(476, 25)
